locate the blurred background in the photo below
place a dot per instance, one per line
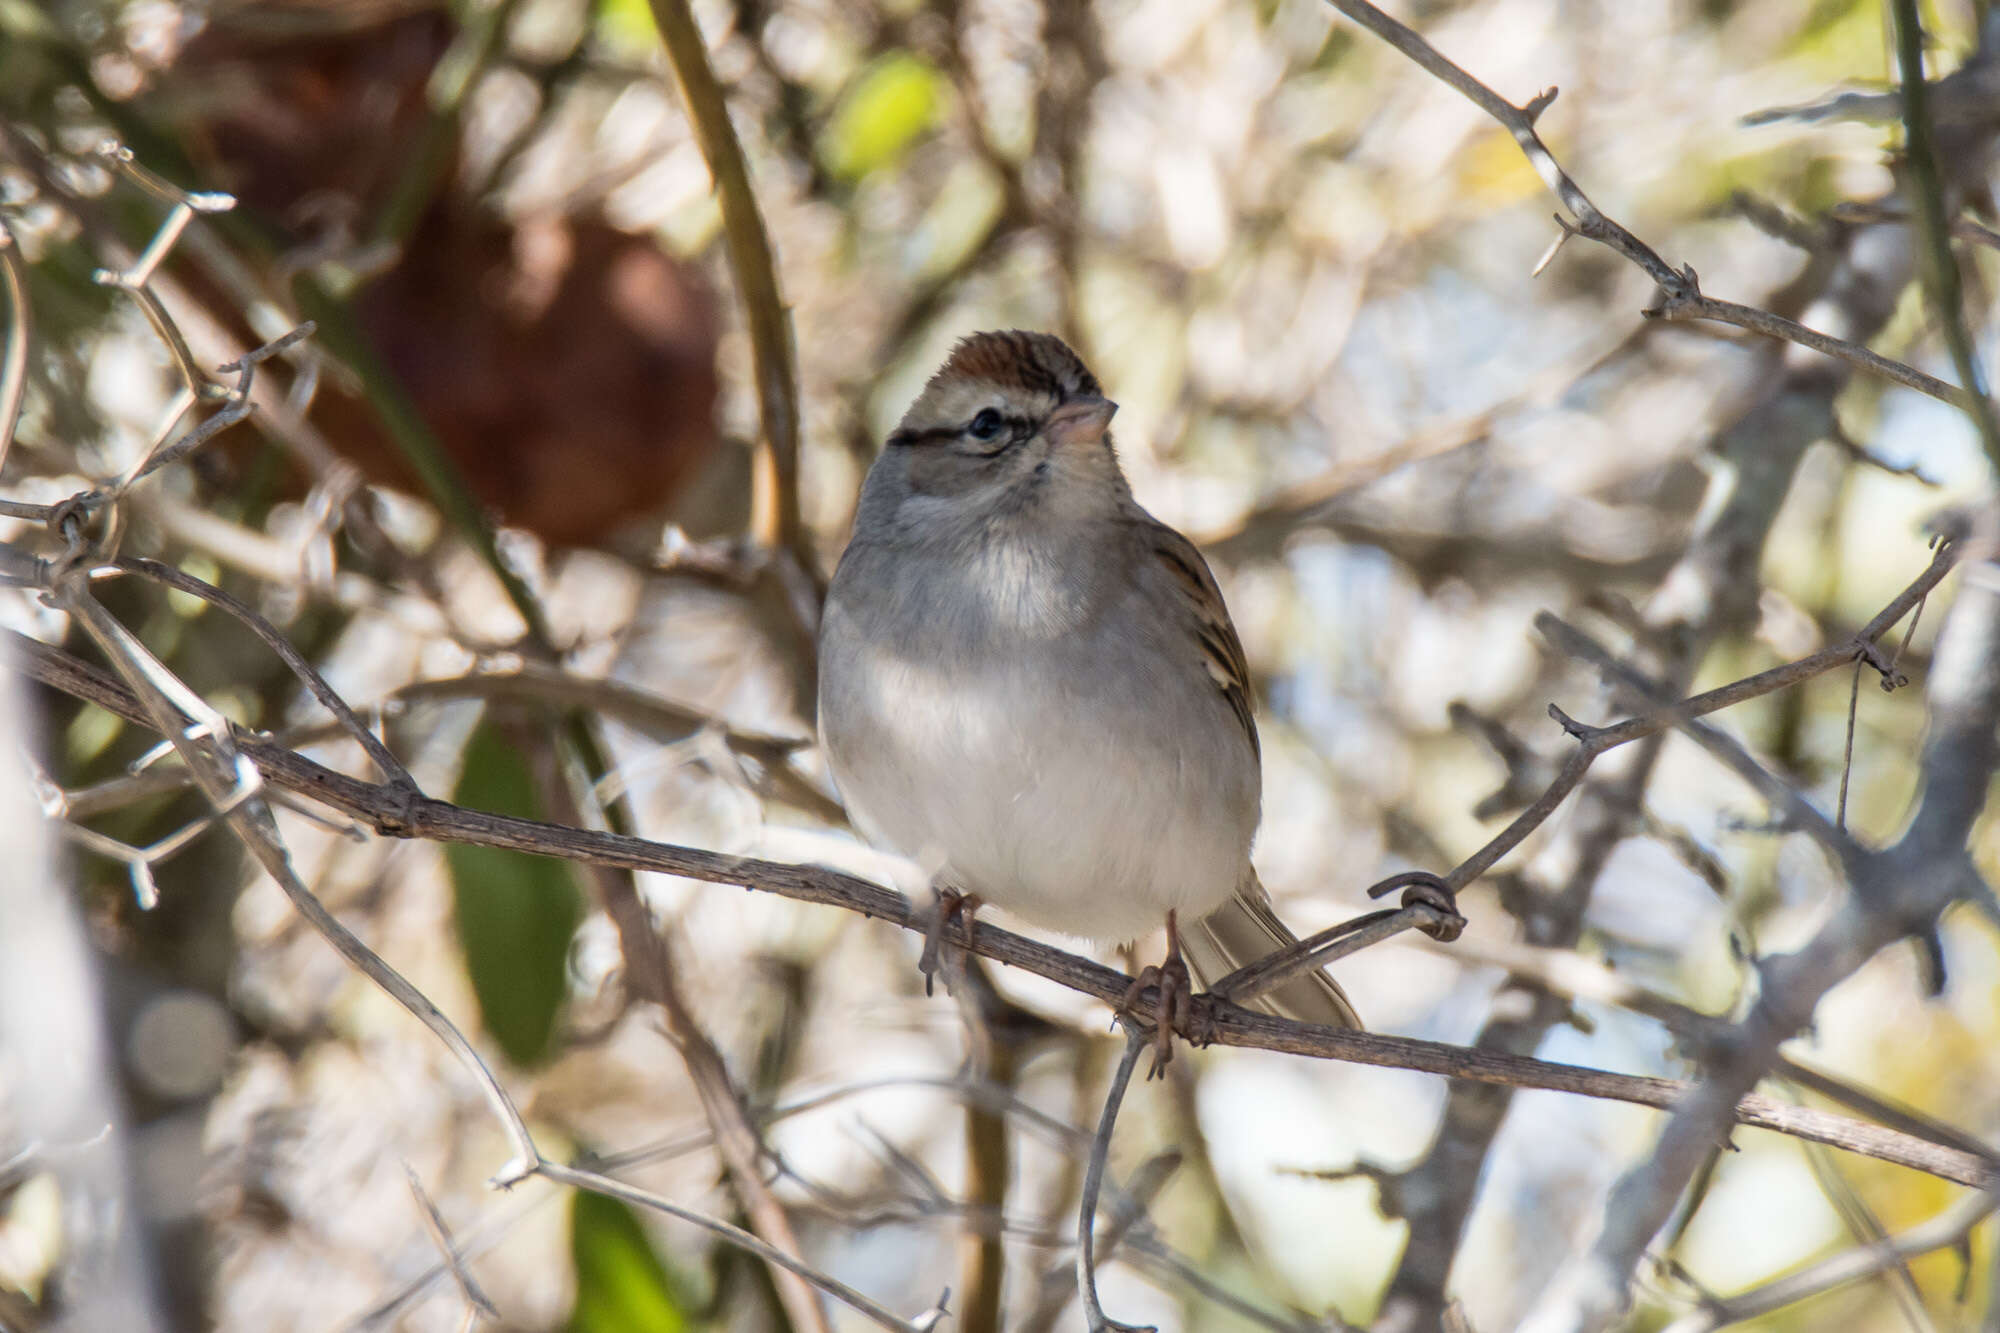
(1306, 271)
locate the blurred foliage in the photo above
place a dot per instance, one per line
(622, 1285)
(891, 101)
(515, 913)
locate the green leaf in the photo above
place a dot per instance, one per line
(515, 912)
(627, 26)
(621, 1284)
(889, 103)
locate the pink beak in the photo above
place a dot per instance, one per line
(1079, 421)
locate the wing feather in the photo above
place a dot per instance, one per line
(1215, 636)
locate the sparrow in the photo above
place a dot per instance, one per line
(1031, 687)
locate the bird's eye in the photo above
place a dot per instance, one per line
(986, 425)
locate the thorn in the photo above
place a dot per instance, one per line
(1548, 255)
(1539, 103)
(512, 1173)
(1569, 724)
(934, 1316)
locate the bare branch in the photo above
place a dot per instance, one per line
(1897, 890)
(1947, 1229)
(440, 821)
(1680, 289)
(1690, 304)
(1518, 121)
(1597, 740)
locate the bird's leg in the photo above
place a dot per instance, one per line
(1173, 997)
(951, 905)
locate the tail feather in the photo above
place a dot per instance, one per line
(1245, 929)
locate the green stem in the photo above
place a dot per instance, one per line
(1927, 197)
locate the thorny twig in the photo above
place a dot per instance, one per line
(1896, 891)
(1597, 740)
(1680, 295)
(1856, 285)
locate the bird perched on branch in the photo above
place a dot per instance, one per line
(1031, 686)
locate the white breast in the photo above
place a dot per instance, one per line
(1063, 796)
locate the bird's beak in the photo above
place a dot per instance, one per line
(1079, 421)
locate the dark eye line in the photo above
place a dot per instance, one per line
(909, 437)
(1018, 429)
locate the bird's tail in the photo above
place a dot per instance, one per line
(1245, 929)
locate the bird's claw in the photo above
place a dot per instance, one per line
(951, 906)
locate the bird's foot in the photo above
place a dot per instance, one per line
(951, 906)
(1173, 1009)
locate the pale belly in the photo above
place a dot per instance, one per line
(1073, 811)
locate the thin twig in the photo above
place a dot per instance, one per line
(737, 1236)
(776, 521)
(1596, 740)
(1335, 942)
(20, 333)
(1518, 121)
(385, 762)
(1799, 813)
(159, 454)
(1866, 1227)
(1928, 200)
(1947, 1229)
(440, 1235)
(1847, 747)
(1136, 1040)
(229, 779)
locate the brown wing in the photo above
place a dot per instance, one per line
(1221, 650)
(1244, 930)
